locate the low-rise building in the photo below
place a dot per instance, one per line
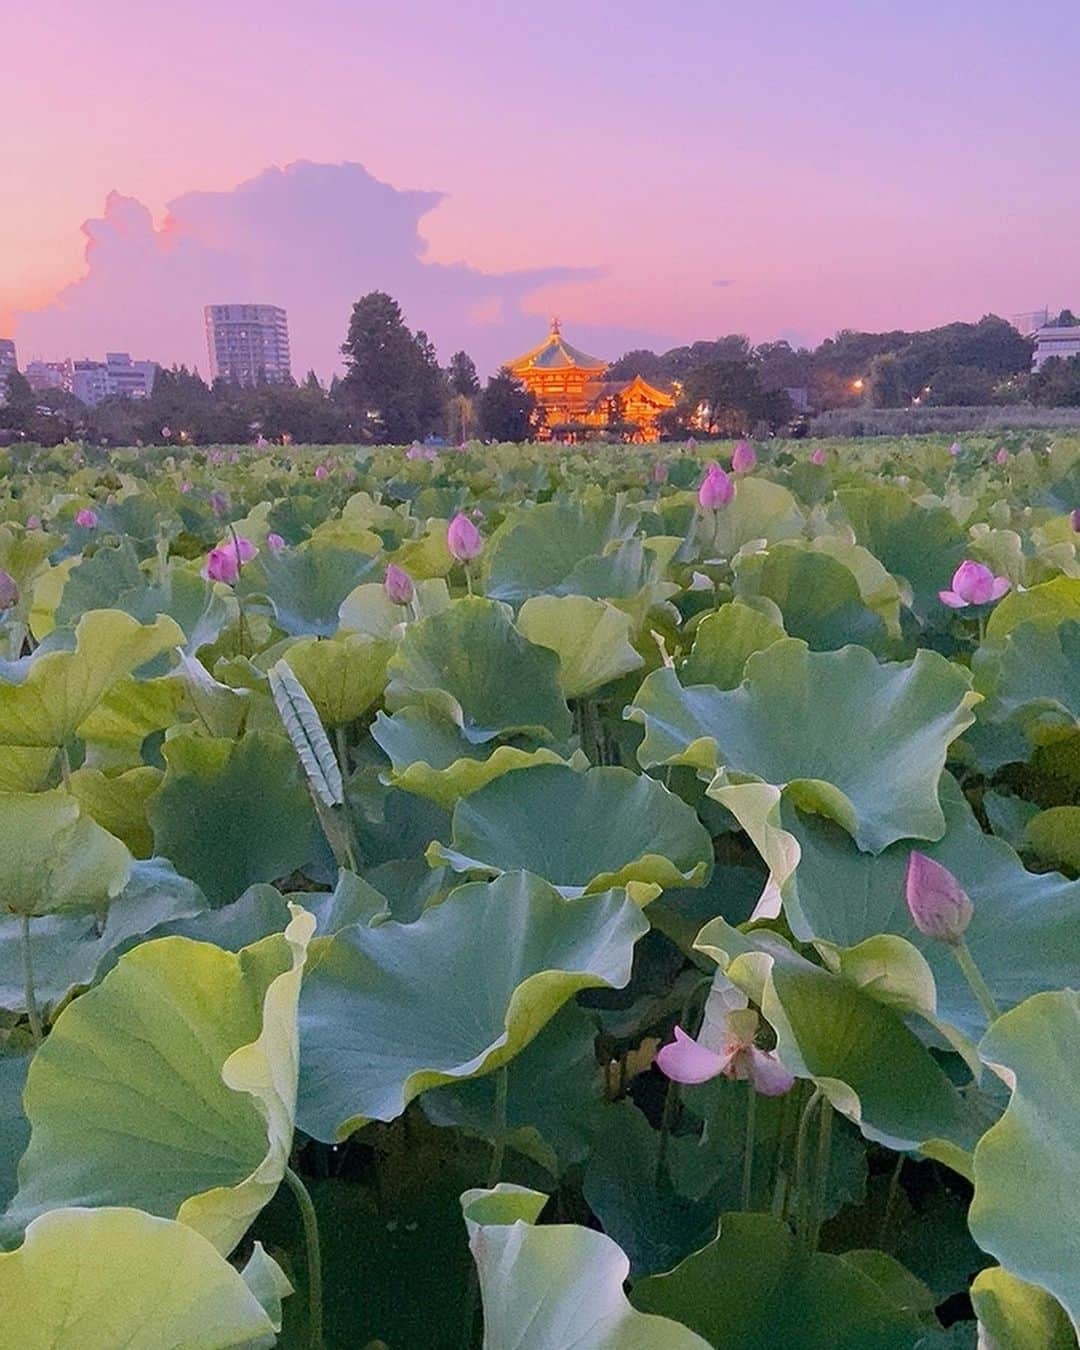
(42, 375)
(1055, 341)
(117, 376)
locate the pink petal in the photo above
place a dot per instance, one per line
(1000, 586)
(951, 599)
(768, 1075)
(685, 1061)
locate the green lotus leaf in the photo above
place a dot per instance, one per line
(431, 757)
(117, 802)
(1025, 932)
(306, 585)
(471, 664)
(1055, 836)
(391, 1010)
(151, 1283)
(582, 832)
(14, 1127)
(426, 557)
(202, 608)
(1024, 1211)
(1035, 671)
(132, 710)
(756, 1286)
(55, 856)
(818, 596)
(99, 581)
(535, 550)
(860, 742)
(63, 688)
(878, 587)
(343, 676)
(723, 643)
(559, 1285)
(759, 510)
(25, 768)
(367, 609)
(1045, 606)
(922, 546)
(1017, 1315)
(230, 813)
(182, 1063)
(590, 638)
(855, 1047)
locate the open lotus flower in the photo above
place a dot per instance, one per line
(818, 457)
(398, 585)
(86, 518)
(223, 563)
(973, 584)
(726, 1045)
(463, 539)
(716, 488)
(938, 904)
(743, 459)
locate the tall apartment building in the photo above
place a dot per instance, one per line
(248, 343)
(42, 375)
(8, 362)
(118, 374)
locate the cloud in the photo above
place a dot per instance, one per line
(310, 237)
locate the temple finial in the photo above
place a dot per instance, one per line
(555, 327)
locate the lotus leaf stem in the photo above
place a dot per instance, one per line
(800, 1155)
(821, 1178)
(28, 982)
(748, 1152)
(978, 985)
(314, 1258)
(498, 1127)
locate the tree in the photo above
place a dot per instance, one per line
(392, 380)
(961, 387)
(19, 403)
(461, 375)
(728, 398)
(641, 362)
(507, 409)
(1056, 384)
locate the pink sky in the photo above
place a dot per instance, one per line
(839, 164)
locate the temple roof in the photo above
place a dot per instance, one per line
(554, 353)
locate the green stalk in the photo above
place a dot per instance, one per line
(800, 1156)
(891, 1198)
(28, 982)
(748, 1151)
(498, 1127)
(314, 1258)
(342, 746)
(821, 1179)
(973, 975)
(468, 580)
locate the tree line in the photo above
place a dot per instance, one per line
(394, 391)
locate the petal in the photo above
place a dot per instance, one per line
(768, 1075)
(951, 599)
(1000, 586)
(685, 1061)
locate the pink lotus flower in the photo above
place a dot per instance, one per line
(219, 503)
(938, 904)
(691, 444)
(743, 459)
(185, 487)
(660, 473)
(973, 584)
(321, 472)
(1075, 518)
(725, 1046)
(86, 518)
(224, 562)
(1002, 456)
(716, 488)
(33, 522)
(818, 457)
(274, 542)
(398, 585)
(9, 591)
(463, 539)
(216, 456)
(955, 449)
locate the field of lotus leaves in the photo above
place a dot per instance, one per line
(541, 897)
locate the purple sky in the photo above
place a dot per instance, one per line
(839, 164)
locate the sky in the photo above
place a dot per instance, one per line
(651, 173)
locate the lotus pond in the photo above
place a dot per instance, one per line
(541, 897)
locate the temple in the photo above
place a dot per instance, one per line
(578, 403)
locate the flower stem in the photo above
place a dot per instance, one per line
(498, 1127)
(973, 975)
(28, 982)
(800, 1155)
(891, 1198)
(314, 1257)
(748, 1150)
(821, 1178)
(468, 580)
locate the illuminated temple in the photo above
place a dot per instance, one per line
(578, 402)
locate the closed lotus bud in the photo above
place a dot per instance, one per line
(955, 449)
(274, 542)
(398, 585)
(716, 488)
(86, 518)
(321, 472)
(743, 459)
(463, 539)
(660, 473)
(9, 591)
(818, 457)
(1002, 456)
(33, 522)
(938, 904)
(1075, 520)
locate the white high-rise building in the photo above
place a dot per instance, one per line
(8, 362)
(248, 343)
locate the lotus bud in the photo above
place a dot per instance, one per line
(222, 565)
(955, 449)
(818, 457)
(660, 472)
(9, 591)
(743, 459)
(219, 503)
(185, 487)
(938, 905)
(1002, 456)
(33, 522)
(973, 584)
(1075, 518)
(463, 539)
(86, 518)
(716, 488)
(398, 585)
(321, 472)
(274, 542)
